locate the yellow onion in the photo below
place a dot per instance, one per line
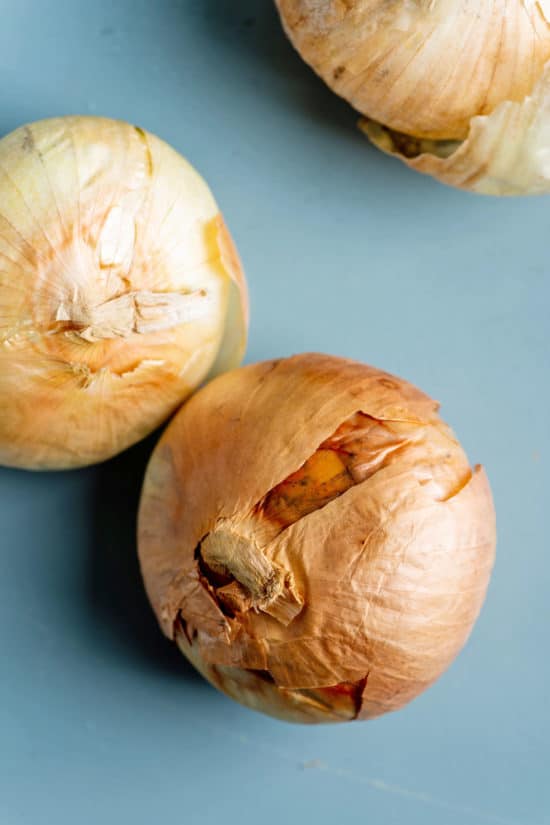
(120, 289)
(313, 538)
(458, 89)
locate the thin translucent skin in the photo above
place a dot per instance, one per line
(119, 289)
(374, 591)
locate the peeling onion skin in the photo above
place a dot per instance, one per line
(457, 89)
(120, 290)
(341, 602)
(505, 153)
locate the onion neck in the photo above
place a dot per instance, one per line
(137, 312)
(249, 579)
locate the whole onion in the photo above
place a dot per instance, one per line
(313, 538)
(120, 289)
(458, 89)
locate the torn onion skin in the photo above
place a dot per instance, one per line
(120, 289)
(313, 538)
(258, 691)
(459, 90)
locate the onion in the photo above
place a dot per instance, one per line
(458, 89)
(313, 538)
(120, 289)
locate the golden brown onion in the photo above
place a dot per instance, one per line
(457, 80)
(120, 289)
(313, 538)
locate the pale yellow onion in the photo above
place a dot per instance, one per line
(313, 538)
(120, 289)
(439, 72)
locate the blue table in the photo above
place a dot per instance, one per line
(348, 252)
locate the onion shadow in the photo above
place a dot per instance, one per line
(116, 591)
(250, 32)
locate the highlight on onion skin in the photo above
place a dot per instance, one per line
(455, 89)
(120, 289)
(313, 538)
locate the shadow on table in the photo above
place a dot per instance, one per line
(117, 594)
(249, 32)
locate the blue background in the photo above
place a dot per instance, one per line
(346, 251)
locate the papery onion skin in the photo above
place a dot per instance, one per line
(505, 153)
(434, 72)
(120, 289)
(342, 611)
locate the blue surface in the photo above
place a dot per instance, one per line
(101, 721)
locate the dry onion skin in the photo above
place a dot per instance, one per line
(120, 289)
(457, 89)
(313, 538)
